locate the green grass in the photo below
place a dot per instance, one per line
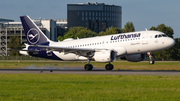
(123, 65)
(71, 87)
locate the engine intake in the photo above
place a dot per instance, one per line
(104, 56)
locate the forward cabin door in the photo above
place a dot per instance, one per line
(145, 38)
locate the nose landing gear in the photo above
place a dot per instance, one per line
(151, 60)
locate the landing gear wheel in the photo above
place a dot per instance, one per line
(109, 67)
(88, 67)
(151, 62)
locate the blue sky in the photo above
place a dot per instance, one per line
(143, 13)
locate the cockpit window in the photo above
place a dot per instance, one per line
(164, 35)
(156, 36)
(160, 35)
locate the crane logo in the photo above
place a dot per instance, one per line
(33, 36)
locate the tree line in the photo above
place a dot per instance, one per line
(82, 32)
(172, 53)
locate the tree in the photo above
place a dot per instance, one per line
(168, 53)
(15, 43)
(153, 28)
(60, 38)
(110, 30)
(176, 50)
(165, 29)
(128, 27)
(75, 32)
(84, 33)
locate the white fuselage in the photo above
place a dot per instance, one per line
(123, 44)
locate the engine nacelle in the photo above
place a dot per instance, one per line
(104, 56)
(136, 57)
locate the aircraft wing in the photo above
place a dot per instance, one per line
(63, 49)
(81, 51)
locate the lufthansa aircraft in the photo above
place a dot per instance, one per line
(133, 46)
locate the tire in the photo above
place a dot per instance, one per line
(151, 62)
(88, 67)
(109, 67)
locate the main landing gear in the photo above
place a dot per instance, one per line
(109, 66)
(151, 60)
(89, 67)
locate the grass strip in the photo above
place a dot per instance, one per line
(72, 87)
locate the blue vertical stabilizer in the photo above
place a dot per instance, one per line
(33, 34)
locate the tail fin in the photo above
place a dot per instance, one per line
(33, 34)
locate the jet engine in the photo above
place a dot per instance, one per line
(136, 57)
(104, 56)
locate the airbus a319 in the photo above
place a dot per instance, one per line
(133, 46)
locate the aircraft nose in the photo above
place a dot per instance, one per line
(171, 42)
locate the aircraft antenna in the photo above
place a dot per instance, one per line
(146, 29)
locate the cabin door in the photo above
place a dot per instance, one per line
(145, 38)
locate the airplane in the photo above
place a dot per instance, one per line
(133, 46)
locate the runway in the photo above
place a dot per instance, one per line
(93, 72)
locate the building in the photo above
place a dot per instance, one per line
(94, 16)
(51, 28)
(54, 28)
(5, 20)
